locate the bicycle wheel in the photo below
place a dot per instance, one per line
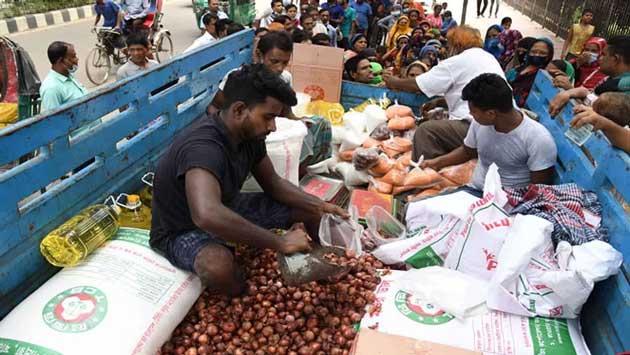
(163, 47)
(98, 65)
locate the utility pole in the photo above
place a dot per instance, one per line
(463, 22)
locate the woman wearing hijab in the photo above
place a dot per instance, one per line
(395, 53)
(357, 44)
(562, 69)
(435, 19)
(400, 28)
(588, 64)
(492, 44)
(522, 78)
(429, 56)
(518, 57)
(414, 69)
(447, 22)
(414, 17)
(509, 40)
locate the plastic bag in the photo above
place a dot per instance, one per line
(355, 121)
(438, 113)
(345, 233)
(351, 177)
(383, 226)
(396, 146)
(376, 185)
(370, 143)
(330, 110)
(363, 159)
(422, 178)
(383, 166)
(401, 123)
(381, 132)
(346, 155)
(351, 140)
(459, 174)
(394, 177)
(397, 110)
(375, 116)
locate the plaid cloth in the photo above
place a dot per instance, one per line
(317, 143)
(563, 206)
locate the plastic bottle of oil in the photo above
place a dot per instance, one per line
(133, 213)
(146, 194)
(74, 240)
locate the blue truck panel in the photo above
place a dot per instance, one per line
(353, 94)
(193, 80)
(598, 167)
(118, 165)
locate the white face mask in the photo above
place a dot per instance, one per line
(593, 58)
(395, 13)
(73, 69)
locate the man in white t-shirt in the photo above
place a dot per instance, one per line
(522, 148)
(466, 61)
(209, 21)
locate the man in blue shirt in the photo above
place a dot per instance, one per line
(364, 12)
(336, 12)
(112, 16)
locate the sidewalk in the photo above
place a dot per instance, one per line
(57, 17)
(520, 22)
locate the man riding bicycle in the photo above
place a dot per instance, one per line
(136, 13)
(112, 18)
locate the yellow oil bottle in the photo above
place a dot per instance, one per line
(146, 194)
(133, 213)
(74, 240)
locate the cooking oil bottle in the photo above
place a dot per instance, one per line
(133, 213)
(146, 194)
(74, 240)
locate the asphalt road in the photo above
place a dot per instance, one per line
(178, 18)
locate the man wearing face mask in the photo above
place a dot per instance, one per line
(466, 61)
(60, 86)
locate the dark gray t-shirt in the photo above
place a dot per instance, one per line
(205, 144)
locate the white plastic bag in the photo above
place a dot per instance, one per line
(123, 299)
(375, 116)
(355, 122)
(383, 226)
(452, 291)
(480, 239)
(345, 233)
(351, 176)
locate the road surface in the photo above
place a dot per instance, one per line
(178, 18)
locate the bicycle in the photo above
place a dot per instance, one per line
(107, 50)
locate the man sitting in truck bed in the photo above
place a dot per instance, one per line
(198, 210)
(522, 148)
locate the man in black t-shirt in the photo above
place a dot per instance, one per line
(198, 209)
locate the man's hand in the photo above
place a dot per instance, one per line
(388, 74)
(558, 102)
(434, 164)
(334, 209)
(296, 240)
(561, 80)
(585, 114)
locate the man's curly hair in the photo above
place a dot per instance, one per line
(252, 84)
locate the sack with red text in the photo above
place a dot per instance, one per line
(123, 299)
(479, 241)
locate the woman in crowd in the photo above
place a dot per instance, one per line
(447, 22)
(522, 78)
(395, 53)
(435, 19)
(492, 44)
(292, 12)
(588, 64)
(400, 28)
(357, 43)
(425, 25)
(562, 69)
(509, 40)
(429, 56)
(518, 58)
(414, 69)
(414, 17)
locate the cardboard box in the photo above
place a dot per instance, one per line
(372, 342)
(317, 71)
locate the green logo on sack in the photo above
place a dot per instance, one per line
(76, 309)
(420, 311)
